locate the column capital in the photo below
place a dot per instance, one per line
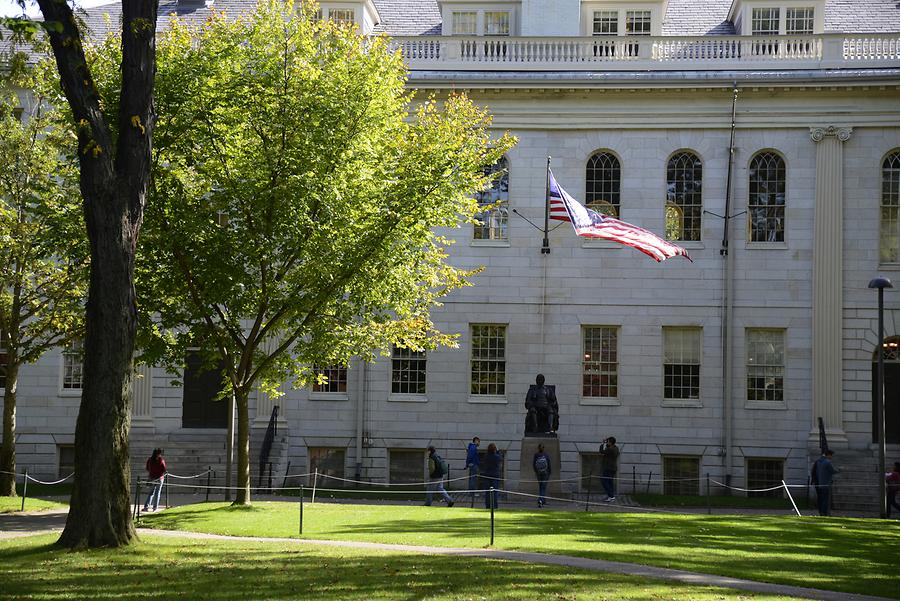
(819, 133)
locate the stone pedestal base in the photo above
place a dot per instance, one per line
(527, 477)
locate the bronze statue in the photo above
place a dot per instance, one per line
(542, 407)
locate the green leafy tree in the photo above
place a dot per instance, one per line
(43, 252)
(296, 191)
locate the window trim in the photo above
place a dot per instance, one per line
(678, 154)
(783, 6)
(490, 399)
(587, 161)
(66, 352)
(611, 401)
(320, 395)
(499, 6)
(406, 397)
(504, 241)
(762, 404)
(894, 154)
(621, 8)
(760, 244)
(675, 402)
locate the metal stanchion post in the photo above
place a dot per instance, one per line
(492, 515)
(633, 479)
(708, 501)
(587, 499)
(162, 483)
(286, 472)
(301, 510)
(24, 489)
(208, 480)
(137, 497)
(649, 477)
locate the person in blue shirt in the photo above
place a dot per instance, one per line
(472, 463)
(542, 470)
(823, 479)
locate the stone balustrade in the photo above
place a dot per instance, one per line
(650, 53)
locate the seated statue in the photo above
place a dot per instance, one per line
(542, 407)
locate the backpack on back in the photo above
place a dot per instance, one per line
(440, 467)
(542, 466)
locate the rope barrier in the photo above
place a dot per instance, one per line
(770, 489)
(36, 481)
(422, 483)
(171, 475)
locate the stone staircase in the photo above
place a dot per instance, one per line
(856, 486)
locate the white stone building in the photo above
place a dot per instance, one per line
(719, 366)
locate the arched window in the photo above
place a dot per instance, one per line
(684, 204)
(603, 182)
(765, 206)
(492, 222)
(890, 208)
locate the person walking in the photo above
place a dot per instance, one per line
(491, 468)
(610, 466)
(472, 463)
(822, 475)
(542, 471)
(892, 488)
(437, 469)
(156, 468)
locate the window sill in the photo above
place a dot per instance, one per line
(685, 403)
(773, 405)
(488, 400)
(70, 392)
(766, 246)
(396, 397)
(881, 266)
(328, 396)
(491, 243)
(600, 401)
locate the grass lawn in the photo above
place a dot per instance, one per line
(161, 568)
(13, 504)
(719, 501)
(842, 554)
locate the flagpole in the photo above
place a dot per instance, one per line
(545, 248)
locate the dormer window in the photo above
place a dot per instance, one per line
(781, 20)
(606, 22)
(343, 16)
(496, 22)
(481, 22)
(465, 23)
(607, 19)
(637, 22)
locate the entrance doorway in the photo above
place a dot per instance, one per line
(891, 391)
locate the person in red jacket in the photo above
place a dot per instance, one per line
(156, 467)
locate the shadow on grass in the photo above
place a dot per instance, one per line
(163, 569)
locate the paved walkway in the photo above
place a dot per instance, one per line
(12, 525)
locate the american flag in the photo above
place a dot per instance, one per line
(592, 224)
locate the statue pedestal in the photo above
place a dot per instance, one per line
(527, 478)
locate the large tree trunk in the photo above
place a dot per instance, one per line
(114, 182)
(8, 449)
(243, 445)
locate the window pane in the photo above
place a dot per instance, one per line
(488, 362)
(681, 475)
(406, 466)
(407, 371)
(335, 378)
(890, 208)
(684, 184)
(765, 473)
(681, 363)
(600, 366)
(764, 21)
(767, 198)
(328, 461)
(798, 21)
(342, 15)
(492, 222)
(606, 22)
(765, 365)
(637, 22)
(496, 23)
(465, 23)
(73, 365)
(603, 180)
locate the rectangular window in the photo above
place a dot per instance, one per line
(488, 360)
(600, 367)
(606, 22)
(681, 475)
(682, 349)
(464, 23)
(4, 341)
(765, 365)
(496, 23)
(637, 22)
(591, 470)
(329, 461)
(342, 15)
(66, 454)
(764, 21)
(407, 371)
(798, 21)
(765, 473)
(406, 466)
(330, 378)
(73, 364)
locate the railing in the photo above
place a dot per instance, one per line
(646, 52)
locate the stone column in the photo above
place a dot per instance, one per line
(142, 396)
(828, 283)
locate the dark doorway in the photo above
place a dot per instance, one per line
(202, 386)
(891, 392)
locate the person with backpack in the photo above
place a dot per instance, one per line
(437, 469)
(609, 463)
(822, 477)
(472, 463)
(156, 468)
(542, 470)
